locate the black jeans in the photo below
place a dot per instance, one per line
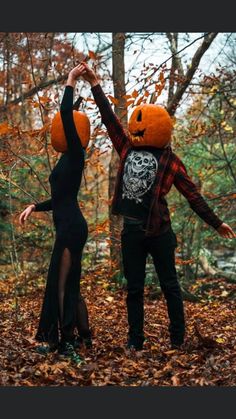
(135, 248)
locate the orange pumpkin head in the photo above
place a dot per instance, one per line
(150, 125)
(58, 138)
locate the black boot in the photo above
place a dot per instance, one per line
(135, 341)
(86, 341)
(46, 348)
(67, 350)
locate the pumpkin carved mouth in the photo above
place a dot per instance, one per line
(137, 136)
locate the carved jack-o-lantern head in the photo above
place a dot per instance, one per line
(58, 138)
(150, 125)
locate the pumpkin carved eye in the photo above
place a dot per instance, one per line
(150, 125)
(139, 116)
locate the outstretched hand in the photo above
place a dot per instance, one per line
(226, 231)
(26, 213)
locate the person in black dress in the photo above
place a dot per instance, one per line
(64, 309)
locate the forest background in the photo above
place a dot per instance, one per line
(193, 75)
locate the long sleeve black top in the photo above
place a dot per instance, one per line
(65, 178)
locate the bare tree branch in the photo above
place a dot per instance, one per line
(33, 91)
(208, 39)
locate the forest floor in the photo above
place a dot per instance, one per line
(207, 359)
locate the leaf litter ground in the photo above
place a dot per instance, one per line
(208, 357)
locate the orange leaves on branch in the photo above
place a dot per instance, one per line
(44, 99)
(113, 99)
(127, 96)
(140, 100)
(161, 84)
(135, 93)
(129, 102)
(158, 89)
(162, 78)
(5, 128)
(92, 55)
(134, 99)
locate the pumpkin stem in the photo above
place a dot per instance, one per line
(77, 103)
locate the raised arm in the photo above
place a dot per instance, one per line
(114, 127)
(75, 149)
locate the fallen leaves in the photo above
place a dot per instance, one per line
(207, 358)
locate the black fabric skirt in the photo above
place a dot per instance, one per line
(71, 235)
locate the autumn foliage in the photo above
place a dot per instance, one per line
(33, 69)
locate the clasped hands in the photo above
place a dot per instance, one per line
(82, 69)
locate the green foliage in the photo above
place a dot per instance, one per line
(206, 143)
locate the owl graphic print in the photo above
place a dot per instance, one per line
(139, 174)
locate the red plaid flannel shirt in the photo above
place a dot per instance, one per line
(171, 170)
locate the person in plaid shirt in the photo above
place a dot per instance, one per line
(144, 178)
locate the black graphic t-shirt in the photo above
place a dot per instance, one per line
(138, 179)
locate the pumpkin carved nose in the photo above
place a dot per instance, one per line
(139, 116)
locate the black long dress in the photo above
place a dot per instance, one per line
(71, 234)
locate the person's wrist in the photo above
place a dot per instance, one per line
(94, 82)
(72, 75)
(71, 80)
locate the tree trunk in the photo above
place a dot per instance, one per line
(215, 272)
(118, 75)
